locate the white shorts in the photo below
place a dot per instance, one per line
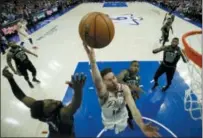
(119, 126)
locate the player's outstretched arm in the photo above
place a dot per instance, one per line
(183, 56)
(135, 112)
(164, 18)
(9, 62)
(147, 129)
(29, 52)
(19, 94)
(101, 88)
(77, 82)
(121, 76)
(159, 49)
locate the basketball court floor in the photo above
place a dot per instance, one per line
(61, 54)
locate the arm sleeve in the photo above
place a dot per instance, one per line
(71, 109)
(16, 90)
(19, 94)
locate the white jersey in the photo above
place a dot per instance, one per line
(22, 29)
(114, 108)
(169, 17)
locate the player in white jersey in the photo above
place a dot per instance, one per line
(167, 26)
(168, 16)
(113, 97)
(23, 34)
(165, 31)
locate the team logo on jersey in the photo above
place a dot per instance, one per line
(130, 19)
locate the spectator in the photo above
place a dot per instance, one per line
(188, 8)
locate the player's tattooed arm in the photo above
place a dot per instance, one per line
(19, 94)
(9, 62)
(147, 129)
(29, 52)
(159, 49)
(133, 108)
(77, 82)
(96, 76)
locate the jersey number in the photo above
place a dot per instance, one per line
(21, 56)
(170, 57)
(116, 111)
(111, 104)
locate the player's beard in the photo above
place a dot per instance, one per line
(113, 88)
(174, 46)
(133, 72)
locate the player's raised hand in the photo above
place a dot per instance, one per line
(6, 73)
(86, 47)
(77, 81)
(90, 52)
(151, 131)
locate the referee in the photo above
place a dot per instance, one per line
(172, 55)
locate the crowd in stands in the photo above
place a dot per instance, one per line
(11, 10)
(189, 8)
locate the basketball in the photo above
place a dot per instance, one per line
(96, 29)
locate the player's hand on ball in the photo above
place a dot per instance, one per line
(77, 81)
(151, 131)
(6, 73)
(90, 52)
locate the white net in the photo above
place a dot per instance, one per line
(193, 96)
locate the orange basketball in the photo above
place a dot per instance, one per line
(96, 29)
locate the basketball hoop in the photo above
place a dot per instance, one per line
(193, 97)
